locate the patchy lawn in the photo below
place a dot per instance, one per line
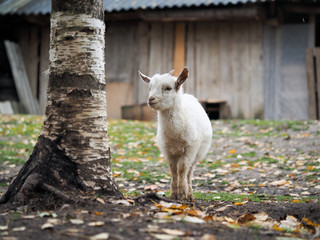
(260, 180)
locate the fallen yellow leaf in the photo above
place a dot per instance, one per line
(310, 168)
(307, 221)
(208, 218)
(98, 213)
(232, 151)
(192, 212)
(182, 207)
(277, 228)
(238, 203)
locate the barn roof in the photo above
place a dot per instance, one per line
(36, 7)
(120, 5)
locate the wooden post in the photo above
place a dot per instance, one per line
(179, 48)
(316, 52)
(313, 76)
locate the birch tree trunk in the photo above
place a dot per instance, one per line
(72, 152)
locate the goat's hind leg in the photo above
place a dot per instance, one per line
(190, 175)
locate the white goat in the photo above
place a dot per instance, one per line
(184, 129)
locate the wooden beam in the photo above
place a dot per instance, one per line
(211, 14)
(179, 59)
(20, 78)
(301, 8)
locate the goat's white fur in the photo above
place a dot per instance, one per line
(184, 130)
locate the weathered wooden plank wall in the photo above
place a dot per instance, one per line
(179, 56)
(29, 43)
(130, 47)
(120, 66)
(286, 88)
(120, 51)
(34, 44)
(156, 49)
(142, 64)
(225, 60)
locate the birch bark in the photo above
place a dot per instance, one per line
(72, 151)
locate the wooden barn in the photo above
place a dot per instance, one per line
(247, 59)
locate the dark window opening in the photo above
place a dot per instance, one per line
(295, 18)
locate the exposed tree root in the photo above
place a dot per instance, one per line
(30, 184)
(65, 197)
(48, 172)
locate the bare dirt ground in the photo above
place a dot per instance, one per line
(259, 181)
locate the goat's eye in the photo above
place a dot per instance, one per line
(168, 88)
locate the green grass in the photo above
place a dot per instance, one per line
(268, 160)
(235, 198)
(20, 125)
(215, 165)
(265, 128)
(136, 157)
(249, 154)
(14, 152)
(18, 134)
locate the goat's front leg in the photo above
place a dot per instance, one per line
(183, 180)
(174, 180)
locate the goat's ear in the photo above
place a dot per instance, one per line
(182, 78)
(171, 72)
(144, 78)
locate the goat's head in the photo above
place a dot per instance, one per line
(164, 88)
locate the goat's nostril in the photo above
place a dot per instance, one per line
(151, 99)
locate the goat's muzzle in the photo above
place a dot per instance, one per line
(151, 100)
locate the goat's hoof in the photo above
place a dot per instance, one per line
(190, 197)
(174, 196)
(183, 197)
